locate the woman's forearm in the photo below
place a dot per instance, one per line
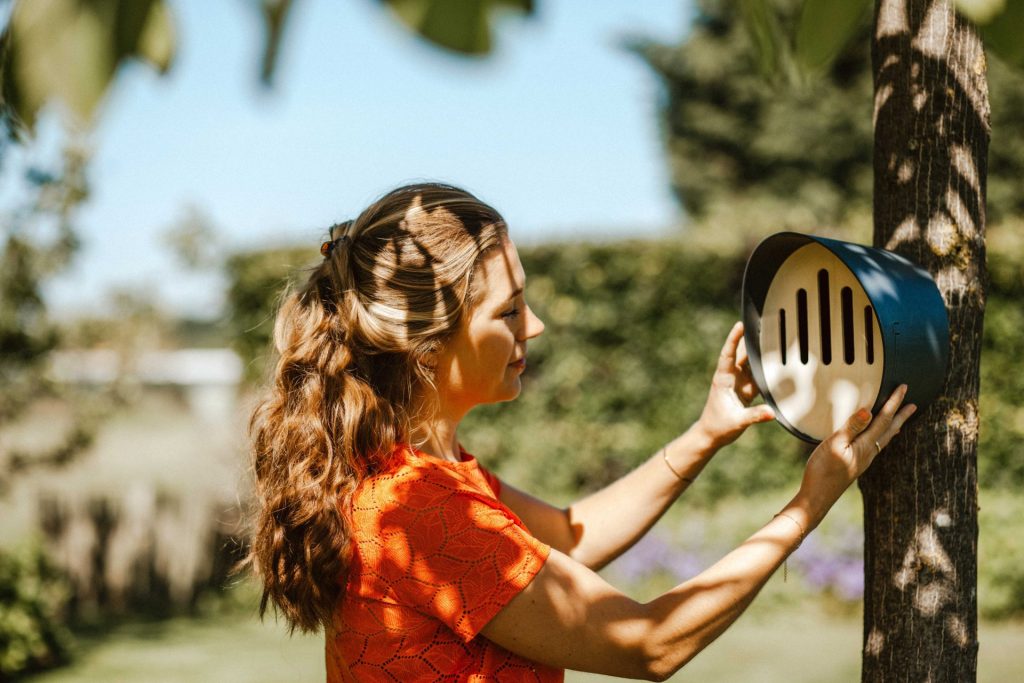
(570, 617)
(689, 617)
(606, 523)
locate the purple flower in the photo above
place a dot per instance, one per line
(836, 567)
(653, 555)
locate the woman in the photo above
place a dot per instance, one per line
(420, 564)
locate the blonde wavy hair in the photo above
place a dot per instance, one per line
(354, 350)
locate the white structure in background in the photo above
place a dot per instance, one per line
(209, 378)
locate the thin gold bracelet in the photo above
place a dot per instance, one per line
(664, 456)
(803, 534)
(798, 526)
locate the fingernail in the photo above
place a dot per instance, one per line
(863, 415)
(913, 408)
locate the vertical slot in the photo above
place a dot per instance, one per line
(847, 304)
(801, 323)
(824, 317)
(782, 333)
(869, 334)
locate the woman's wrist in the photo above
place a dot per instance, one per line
(686, 455)
(791, 518)
(807, 509)
(703, 440)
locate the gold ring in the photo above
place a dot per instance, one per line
(878, 447)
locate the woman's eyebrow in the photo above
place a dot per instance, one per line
(514, 294)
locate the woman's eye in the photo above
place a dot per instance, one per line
(510, 313)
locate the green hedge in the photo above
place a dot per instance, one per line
(1000, 461)
(633, 330)
(33, 606)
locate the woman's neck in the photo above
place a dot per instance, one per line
(435, 430)
(439, 438)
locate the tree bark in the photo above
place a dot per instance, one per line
(920, 496)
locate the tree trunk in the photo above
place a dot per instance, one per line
(921, 495)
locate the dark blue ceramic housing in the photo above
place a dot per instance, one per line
(912, 317)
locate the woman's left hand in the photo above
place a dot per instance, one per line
(728, 413)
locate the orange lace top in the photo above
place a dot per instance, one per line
(435, 556)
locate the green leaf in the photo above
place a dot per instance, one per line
(1002, 35)
(275, 16)
(460, 25)
(770, 46)
(70, 50)
(980, 11)
(157, 39)
(825, 28)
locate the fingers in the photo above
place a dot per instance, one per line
(761, 413)
(856, 424)
(890, 420)
(727, 359)
(747, 391)
(901, 417)
(893, 403)
(869, 436)
(746, 386)
(741, 351)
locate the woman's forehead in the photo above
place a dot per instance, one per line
(501, 272)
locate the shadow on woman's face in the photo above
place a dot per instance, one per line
(483, 361)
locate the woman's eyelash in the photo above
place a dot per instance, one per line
(510, 314)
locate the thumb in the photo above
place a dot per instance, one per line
(761, 413)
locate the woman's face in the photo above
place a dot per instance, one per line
(483, 361)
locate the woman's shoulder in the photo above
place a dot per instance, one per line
(415, 480)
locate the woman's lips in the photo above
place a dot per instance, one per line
(519, 364)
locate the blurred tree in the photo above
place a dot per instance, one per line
(37, 240)
(746, 150)
(794, 150)
(66, 50)
(256, 282)
(194, 240)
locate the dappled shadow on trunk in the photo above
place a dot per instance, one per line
(920, 497)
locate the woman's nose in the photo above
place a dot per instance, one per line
(534, 325)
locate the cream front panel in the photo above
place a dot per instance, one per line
(821, 346)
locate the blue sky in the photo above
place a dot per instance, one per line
(557, 129)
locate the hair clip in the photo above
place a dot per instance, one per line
(328, 247)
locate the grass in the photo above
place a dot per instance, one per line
(222, 649)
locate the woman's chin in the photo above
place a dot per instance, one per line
(511, 390)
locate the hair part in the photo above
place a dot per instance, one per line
(354, 350)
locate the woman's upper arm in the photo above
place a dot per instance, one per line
(569, 617)
(546, 522)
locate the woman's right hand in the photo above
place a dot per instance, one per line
(839, 460)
